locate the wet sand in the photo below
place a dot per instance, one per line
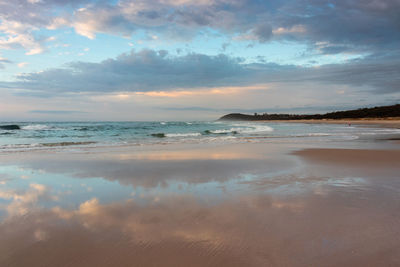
(367, 158)
(386, 122)
(227, 205)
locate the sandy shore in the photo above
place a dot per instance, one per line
(364, 157)
(246, 204)
(387, 122)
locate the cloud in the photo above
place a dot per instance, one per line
(24, 202)
(4, 61)
(188, 108)
(262, 109)
(382, 75)
(56, 112)
(366, 29)
(365, 26)
(22, 64)
(357, 25)
(152, 71)
(263, 32)
(20, 35)
(20, 20)
(136, 71)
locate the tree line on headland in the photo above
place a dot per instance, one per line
(375, 112)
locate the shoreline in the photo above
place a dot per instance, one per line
(242, 204)
(387, 122)
(393, 123)
(373, 158)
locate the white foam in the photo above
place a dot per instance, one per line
(221, 138)
(222, 131)
(36, 127)
(319, 134)
(253, 128)
(182, 134)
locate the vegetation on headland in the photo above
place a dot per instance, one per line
(362, 113)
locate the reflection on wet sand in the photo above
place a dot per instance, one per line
(329, 230)
(292, 211)
(155, 168)
(353, 157)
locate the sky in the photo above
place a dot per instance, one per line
(152, 60)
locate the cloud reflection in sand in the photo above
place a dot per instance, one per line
(92, 209)
(160, 168)
(180, 230)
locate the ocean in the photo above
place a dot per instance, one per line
(21, 136)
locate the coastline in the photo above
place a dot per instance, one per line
(58, 135)
(373, 158)
(203, 204)
(378, 122)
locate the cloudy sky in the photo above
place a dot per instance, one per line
(195, 59)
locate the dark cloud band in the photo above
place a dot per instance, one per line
(150, 70)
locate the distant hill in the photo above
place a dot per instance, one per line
(376, 112)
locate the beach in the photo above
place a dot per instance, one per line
(209, 133)
(375, 122)
(262, 198)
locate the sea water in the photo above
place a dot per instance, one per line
(57, 135)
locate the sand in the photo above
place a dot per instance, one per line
(353, 157)
(376, 122)
(210, 205)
